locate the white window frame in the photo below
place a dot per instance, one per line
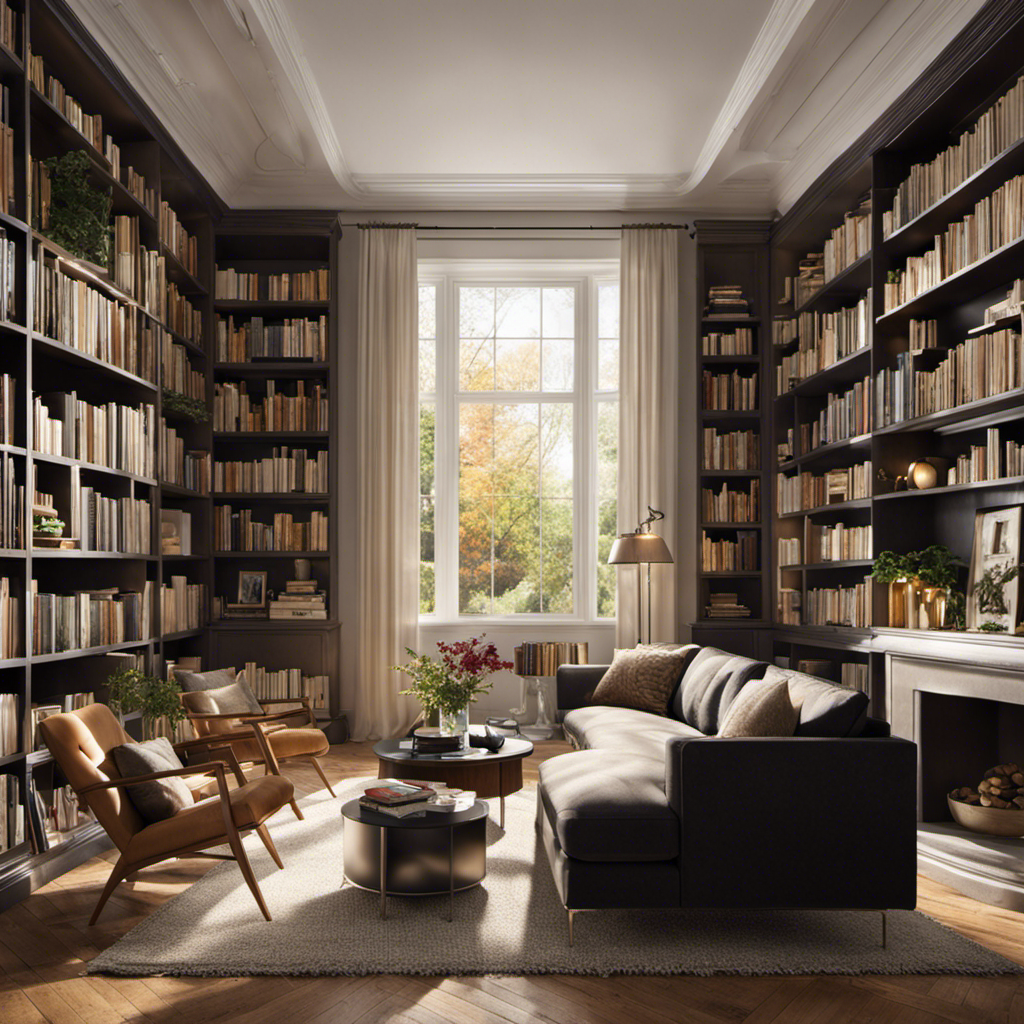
(447, 276)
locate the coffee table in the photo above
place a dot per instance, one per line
(488, 774)
(422, 855)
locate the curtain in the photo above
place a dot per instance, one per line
(388, 478)
(648, 361)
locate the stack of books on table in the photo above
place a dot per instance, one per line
(727, 606)
(400, 798)
(726, 302)
(302, 599)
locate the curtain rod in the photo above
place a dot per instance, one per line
(514, 227)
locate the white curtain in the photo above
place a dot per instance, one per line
(388, 444)
(648, 373)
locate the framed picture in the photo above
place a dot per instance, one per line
(252, 589)
(991, 596)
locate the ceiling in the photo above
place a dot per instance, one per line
(727, 106)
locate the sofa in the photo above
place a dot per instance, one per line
(657, 810)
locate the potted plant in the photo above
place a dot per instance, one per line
(450, 684)
(899, 572)
(131, 689)
(937, 571)
(990, 591)
(920, 585)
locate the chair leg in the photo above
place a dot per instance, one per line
(116, 875)
(316, 764)
(245, 867)
(295, 808)
(261, 831)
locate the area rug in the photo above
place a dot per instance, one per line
(512, 924)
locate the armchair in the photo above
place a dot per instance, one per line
(81, 741)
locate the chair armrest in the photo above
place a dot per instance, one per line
(216, 767)
(795, 821)
(240, 716)
(575, 683)
(209, 745)
(306, 708)
(304, 701)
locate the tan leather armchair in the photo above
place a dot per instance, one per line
(261, 739)
(81, 741)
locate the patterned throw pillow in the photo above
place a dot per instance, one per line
(761, 709)
(161, 798)
(643, 678)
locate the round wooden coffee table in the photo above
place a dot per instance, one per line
(489, 775)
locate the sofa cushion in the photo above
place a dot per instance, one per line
(644, 677)
(623, 729)
(710, 685)
(609, 806)
(825, 708)
(761, 709)
(161, 798)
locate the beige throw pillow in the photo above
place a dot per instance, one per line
(761, 709)
(643, 678)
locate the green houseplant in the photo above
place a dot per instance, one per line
(921, 585)
(79, 213)
(991, 595)
(131, 689)
(194, 409)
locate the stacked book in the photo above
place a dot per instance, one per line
(738, 343)
(790, 549)
(8, 394)
(533, 658)
(729, 391)
(299, 286)
(234, 410)
(840, 606)
(726, 302)
(182, 317)
(988, 461)
(89, 618)
(726, 606)
(849, 241)
(729, 506)
(302, 599)
(739, 555)
(285, 470)
(292, 339)
(796, 493)
(399, 798)
(8, 724)
(12, 503)
(269, 684)
(182, 605)
(178, 374)
(10, 621)
(810, 277)
(238, 531)
(737, 449)
(189, 469)
(844, 416)
(184, 246)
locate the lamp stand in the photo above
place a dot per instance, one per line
(648, 602)
(639, 605)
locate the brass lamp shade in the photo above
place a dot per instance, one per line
(637, 548)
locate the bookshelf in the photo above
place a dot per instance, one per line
(910, 205)
(731, 537)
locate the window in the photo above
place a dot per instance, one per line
(518, 443)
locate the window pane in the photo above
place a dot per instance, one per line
(556, 450)
(476, 312)
(427, 509)
(476, 529)
(559, 359)
(516, 556)
(516, 466)
(559, 312)
(608, 337)
(608, 310)
(607, 503)
(428, 333)
(428, 311)
(517, 365)
(476, 364)
(557, 574)
(517, 313)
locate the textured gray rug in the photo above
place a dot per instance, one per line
(512, 924)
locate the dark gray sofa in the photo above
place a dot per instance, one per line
(657, 811)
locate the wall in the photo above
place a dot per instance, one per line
(561, 243)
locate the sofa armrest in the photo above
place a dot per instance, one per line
(575, 683)
(795, 821)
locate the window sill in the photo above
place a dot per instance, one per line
(535, 622)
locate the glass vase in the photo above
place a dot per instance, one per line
(456, 723)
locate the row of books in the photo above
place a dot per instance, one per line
(787, 606)
(980, 367)
(238, 531)
(301, 599)
(724, 605)
(836, 543)
(285, 471)
(737, 449)
(7, 173)
(12, 813)
(809, 279)
(270, 684)
(840, 606)
(10, 721)
(182, 317)
(182, 605)
(111, 524)
(8, 408)
(182, 466)
(10, 621)
(89, 125)
(234, 409)
(110, 435)
(849, 241)
(739, 342)
(731, 506)
(184, 245)
(12, 504)
(72, 312)
(303, 285)
(997, 220)
(729, 391)
(844, 416)
(542, 657)
(824, 338)
(790, 551)
(136, 184)
(988, 461)
(89, 618)
(292, 339)
(725, 302)
(140, 272)
(8, 275)
(798, 492)
(726, 555)
(9, 28)
(999, 127)
(176, 370)
(922, 334)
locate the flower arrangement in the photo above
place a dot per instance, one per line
(457, 679)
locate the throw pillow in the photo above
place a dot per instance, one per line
(761, 709)
(643, 678)
(234, 699)
(161, 798)
(240, 696)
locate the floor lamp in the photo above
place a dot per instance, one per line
(639, 548)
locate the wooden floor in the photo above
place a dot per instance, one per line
(45, 944)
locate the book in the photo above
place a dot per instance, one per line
(393, 792)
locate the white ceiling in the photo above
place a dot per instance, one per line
(725, 106)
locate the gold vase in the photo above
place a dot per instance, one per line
(932, 611)
(898, 603)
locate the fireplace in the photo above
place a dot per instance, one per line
(965, 717)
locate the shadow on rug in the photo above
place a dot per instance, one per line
(513, 924)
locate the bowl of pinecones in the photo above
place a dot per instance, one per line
(996, 807)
